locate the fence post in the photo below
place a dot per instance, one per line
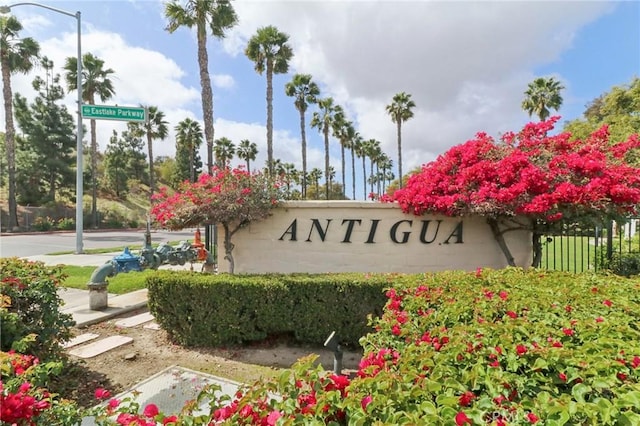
(609, 241)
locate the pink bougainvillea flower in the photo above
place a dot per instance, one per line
(102, 393)
(396, 330)
(635, 363)
(521, 350)
(466, 398)
(273, 417)
(462, 419)
(503, 295)
(568, 331)
(607, 303)
(151, 410)
(512, 314)
(562, 377)
(621, 376)
(533, 419)
(170, 420)
(365, 402)
(599, 319)
(113, 403)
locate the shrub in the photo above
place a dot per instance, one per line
(29, 312)
(44, 224)
(66, 224)
(211, 310)
(495, 347)
(625, 264)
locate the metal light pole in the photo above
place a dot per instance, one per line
(79, 189)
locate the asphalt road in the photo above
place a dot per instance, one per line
(31, 244)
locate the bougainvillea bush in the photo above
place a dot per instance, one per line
(494, 347)
(529, 180)
(228, 197)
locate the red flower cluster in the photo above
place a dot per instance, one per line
(225, 196)
(529, 173)
(375, 362)
(21, 406)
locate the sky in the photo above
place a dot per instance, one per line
(466, 65)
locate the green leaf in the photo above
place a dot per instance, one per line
(579, 391)
(447, 400)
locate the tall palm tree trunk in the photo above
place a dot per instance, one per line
(399, 127)
(270, 115)
(94, 172)
(353, 173)
(303, 135)
(151, 172)
(207, 94)
(326, 160)
(10, 143)
(364, 178)
(344, 181)
(371, 175)
(192, 167)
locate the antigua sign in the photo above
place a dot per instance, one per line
(105, 112)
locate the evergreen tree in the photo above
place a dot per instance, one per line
(115, 164)
(48, 132)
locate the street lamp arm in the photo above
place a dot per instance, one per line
(64, 12)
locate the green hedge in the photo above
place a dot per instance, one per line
(212, 310)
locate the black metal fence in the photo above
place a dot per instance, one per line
(580, 248)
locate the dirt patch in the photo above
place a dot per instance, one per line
(151, 352)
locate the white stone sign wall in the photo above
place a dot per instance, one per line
(352, 236)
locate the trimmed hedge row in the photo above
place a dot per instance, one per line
(213, 310)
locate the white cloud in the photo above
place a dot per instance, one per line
(466, 64)
(223, 81)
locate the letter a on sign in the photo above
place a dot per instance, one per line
(291, 230)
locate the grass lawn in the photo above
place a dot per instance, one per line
(78, 277)
(132, 248)
(569, 253)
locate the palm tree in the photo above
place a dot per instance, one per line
(373, 151)
(189, 135)
(541, 95)
(315, 175)
(215, 16)
(16, 55)
(290, 175)
(154, 128)
(247, 151)
(386, 164)
(305, 92)
(323, 120)
(224, 151)
(269, 50)
(400, 110)
(360, 147)
(95, 82)
(344, 131)
(353, 143)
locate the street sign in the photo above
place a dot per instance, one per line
(106, 112)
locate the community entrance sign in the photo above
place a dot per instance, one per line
(105, 112)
